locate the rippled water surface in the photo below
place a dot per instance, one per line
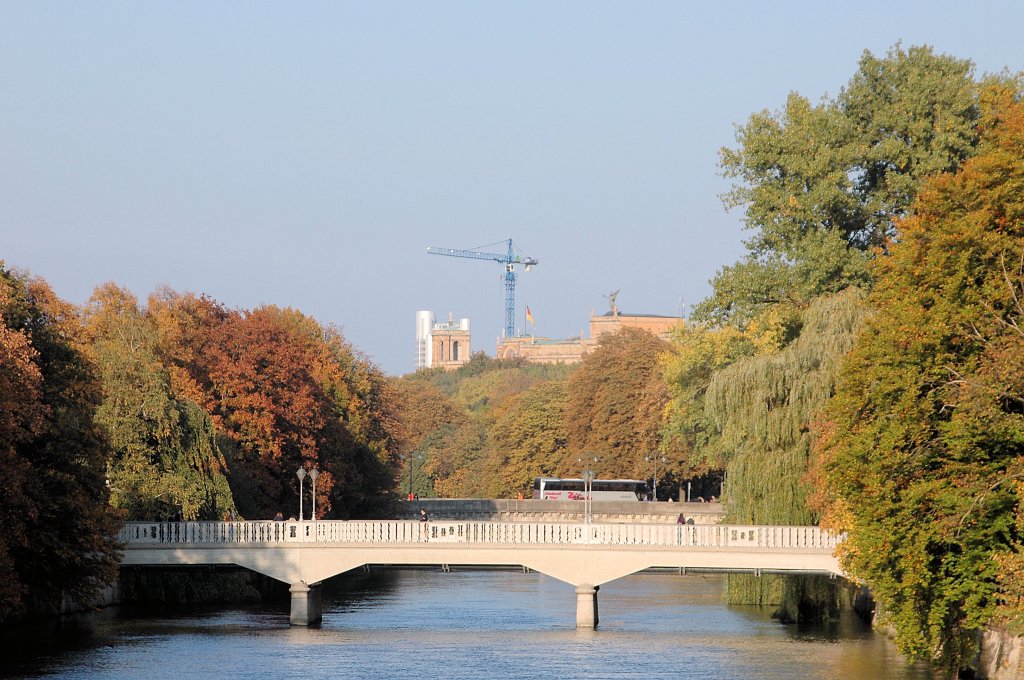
(466, 624)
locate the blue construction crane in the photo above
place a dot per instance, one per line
(510, 260)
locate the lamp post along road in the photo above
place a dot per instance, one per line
(588, 486)
(301, 474)
(654, 459)
(313, 475)
(412, 458)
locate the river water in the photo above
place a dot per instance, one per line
(465, 624)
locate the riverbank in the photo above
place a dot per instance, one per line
(1001, 655)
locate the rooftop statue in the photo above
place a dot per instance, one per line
(611, 301)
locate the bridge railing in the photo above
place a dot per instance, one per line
(803, 538)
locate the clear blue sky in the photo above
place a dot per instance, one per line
(306, 154)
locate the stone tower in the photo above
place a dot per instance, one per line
(444, 344)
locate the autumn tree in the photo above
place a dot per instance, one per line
(184, 326)
(427, 418)
(166, 460)
(285, 393)
(270, 407)
(924, 442)
(527, 439)
(361, 403)
(465, 408)
(615, 402)
(22, 419)
(56, 526)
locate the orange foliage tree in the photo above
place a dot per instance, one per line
(615, 404)
(286, 393)
(56, 526)
(924, 448)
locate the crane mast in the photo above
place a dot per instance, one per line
(510, 260)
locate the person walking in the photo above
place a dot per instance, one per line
(424, 529)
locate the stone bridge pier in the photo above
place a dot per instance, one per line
(586, 606)
(307, 604)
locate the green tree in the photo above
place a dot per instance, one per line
(481, 392)
(912, 114)
(455, 460)
(762, 407)
(925, 436)
(56, 526)
(689, 434)
(165, 456)
(821, 184)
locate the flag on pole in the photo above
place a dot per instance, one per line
(529, 316)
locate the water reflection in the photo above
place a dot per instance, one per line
(464, 625)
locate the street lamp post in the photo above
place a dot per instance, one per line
(590, 495)
(654, 459)
(313, 475)
(588, 486)
(301, 474)
(413, 457)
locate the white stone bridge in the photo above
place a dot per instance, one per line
(305, 553)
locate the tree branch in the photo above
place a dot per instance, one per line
(971, 383)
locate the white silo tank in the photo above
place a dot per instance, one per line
(424, 327)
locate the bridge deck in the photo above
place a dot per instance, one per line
(573, 552)
(584, 555)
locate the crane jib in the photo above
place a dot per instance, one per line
(508, 259)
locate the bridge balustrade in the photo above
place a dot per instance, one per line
(499, 533)
(207, 532)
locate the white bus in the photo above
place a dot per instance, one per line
(557, 489)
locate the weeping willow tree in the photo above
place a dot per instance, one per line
(165, 458)
(763, 407)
